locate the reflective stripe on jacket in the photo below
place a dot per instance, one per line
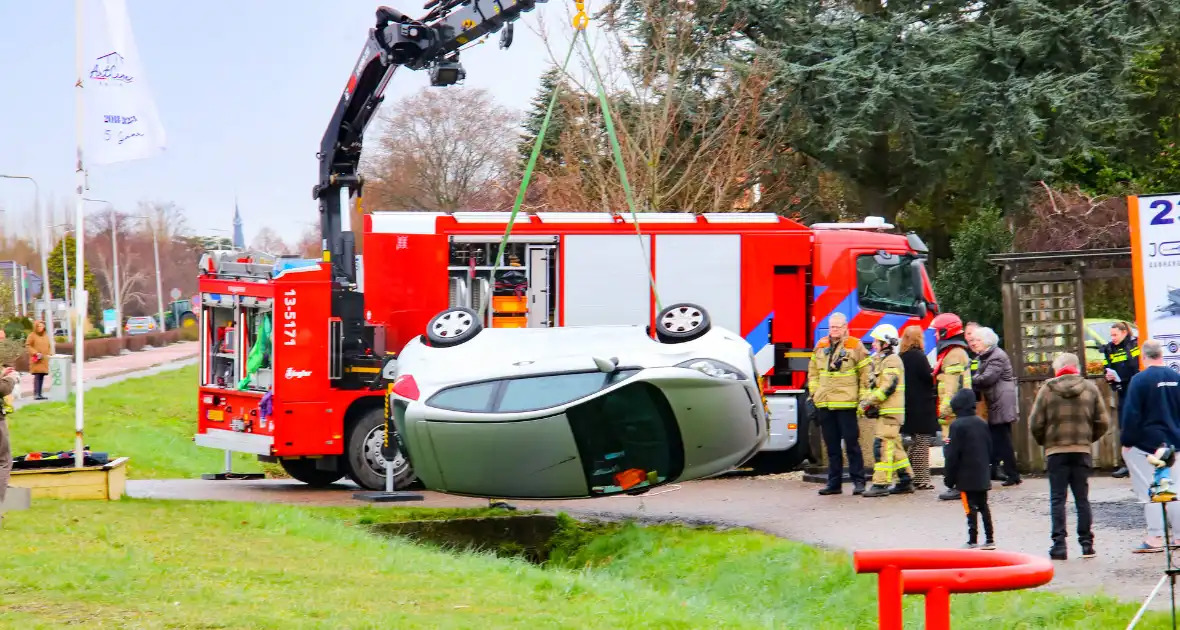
(888, 392)
(955, 375)
(837, 376)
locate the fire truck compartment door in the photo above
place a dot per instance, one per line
(605, 280)
(704, 269)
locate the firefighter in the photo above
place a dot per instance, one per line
(952, 373)
(836, 376)
(885, 404)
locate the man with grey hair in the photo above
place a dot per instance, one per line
(995, 384)
(1151, 420)
(837, 380)
(1067, 417)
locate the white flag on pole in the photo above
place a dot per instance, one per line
(121, 121)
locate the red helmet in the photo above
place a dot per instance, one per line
(946, 325)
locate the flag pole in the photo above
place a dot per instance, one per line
(79, 236)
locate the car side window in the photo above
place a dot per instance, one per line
(477, 397)
(539, 392)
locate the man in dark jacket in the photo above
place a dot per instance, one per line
(1067, 417)
(1121, 357)
(1151, 420)
(968, 466)
(995, 383)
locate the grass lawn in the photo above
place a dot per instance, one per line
(150, 419)
(159, 564)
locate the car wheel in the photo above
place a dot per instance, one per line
(305, 470)
(188, 320)
(453, 327)
(682, 322)
(366, 465)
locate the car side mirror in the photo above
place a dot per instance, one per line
(607, 366)
(389, 370)
(922, 312)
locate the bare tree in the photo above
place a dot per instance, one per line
(1059, 220)
(268, 240)
(310, 243)
(443, 150)
(135, 270)
(689, 126)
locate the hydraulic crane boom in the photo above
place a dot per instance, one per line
(431, 43)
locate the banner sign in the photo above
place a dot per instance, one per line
(1155, 260)
(121, 122)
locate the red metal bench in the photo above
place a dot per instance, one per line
(936, 573)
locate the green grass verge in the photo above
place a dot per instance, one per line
(150, 419)
(158, 564)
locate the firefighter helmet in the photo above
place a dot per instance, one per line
(886, 334)
(947, 325)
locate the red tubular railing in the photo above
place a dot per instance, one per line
(936, 573)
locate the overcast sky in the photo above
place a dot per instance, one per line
(244, 91)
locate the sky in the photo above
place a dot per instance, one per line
(244, 91)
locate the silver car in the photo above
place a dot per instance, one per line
(576, 411)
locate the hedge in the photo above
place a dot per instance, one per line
(112, 346)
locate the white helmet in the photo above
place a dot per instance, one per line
(886, 334)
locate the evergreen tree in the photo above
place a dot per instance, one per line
(550, 154)
(967, 284)
(894, 96)
(94, 297)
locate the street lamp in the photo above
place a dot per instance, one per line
(115, 265)
(46, 294)
(156, 250)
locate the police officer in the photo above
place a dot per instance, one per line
(1121, 356)
(952, 372)
(885, 403)
(836, 376)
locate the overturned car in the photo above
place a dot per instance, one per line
(577, 411)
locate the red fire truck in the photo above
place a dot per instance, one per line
(321, 337)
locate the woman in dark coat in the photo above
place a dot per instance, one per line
(995, 383)
(921, 419)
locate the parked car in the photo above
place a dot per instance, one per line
(140, 325)
(575, 411)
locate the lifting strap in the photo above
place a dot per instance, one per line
(579, 22)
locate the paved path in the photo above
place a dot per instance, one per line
(787, 507)
(99, 372)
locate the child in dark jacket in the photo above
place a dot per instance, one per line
(968, 466)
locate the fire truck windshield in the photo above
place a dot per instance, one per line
(891, 283)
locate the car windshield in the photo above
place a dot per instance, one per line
(888, 286)
(515, 395)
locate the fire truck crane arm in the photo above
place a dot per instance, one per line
(431, 43)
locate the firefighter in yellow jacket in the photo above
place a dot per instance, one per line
(885, 404)
(836, 377)
(952, 372)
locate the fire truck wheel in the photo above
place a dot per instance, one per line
(366, 466)
(304, 470)
(453, 327)
(682, 322)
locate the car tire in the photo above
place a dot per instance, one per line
(305, 470)
(682, 322)
(452, 327)
(362, 454)
(188, 320)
